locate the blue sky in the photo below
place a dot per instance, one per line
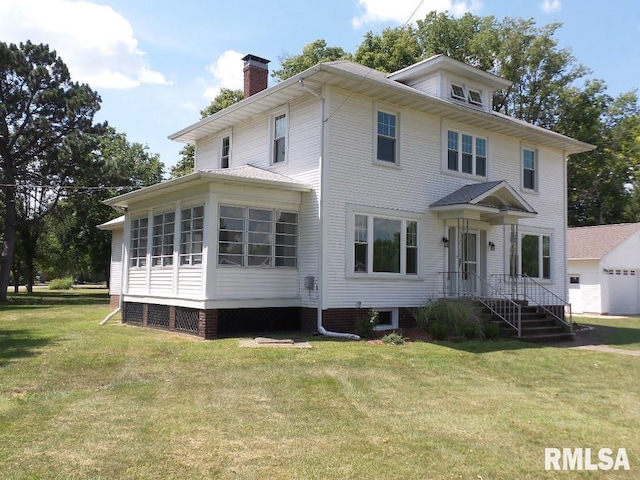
(157, 63)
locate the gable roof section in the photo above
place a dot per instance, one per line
(246, 175)
(497, 195)
(593, 243)
(359, 79)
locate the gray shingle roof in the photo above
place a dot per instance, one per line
(465, 194)
(595, 242)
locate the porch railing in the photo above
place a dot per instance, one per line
(471, 285)
(523, 287)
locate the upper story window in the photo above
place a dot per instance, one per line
(466, 94)
(466, 153)
(529, 169)
(162, 239)
(257, 237)
(225, 151)
(139, 235)
(191, 235)
(387, 136)
(279, 129)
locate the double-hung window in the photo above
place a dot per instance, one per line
(162, 239)
(191, 235)
(225, 151)
(529, 169)
(257, 237)
(387, 137)
(138, 253)
(535, 251)
(385, 245)
(279, 130)
(466, 153)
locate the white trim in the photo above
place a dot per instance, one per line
(380, 107)
(283, 110)
(536, 168)
(395, 317)
(474, 134)
(226, 133)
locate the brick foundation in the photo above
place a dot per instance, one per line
(114, 301)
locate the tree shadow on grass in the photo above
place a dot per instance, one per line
(57, 298)
(15, 344)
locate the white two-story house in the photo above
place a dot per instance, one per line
(344, 189)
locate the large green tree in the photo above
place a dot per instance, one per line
(44, 118)
(73, 245)
(224, 99)
(312, 54)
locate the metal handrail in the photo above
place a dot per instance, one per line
(458, 284)
(532, 291)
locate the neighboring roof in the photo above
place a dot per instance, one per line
(498, 195)
(246, 175)
(593, 243)
(114, 224)
(359, 79)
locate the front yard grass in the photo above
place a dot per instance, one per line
(619, 332)
(79, 400)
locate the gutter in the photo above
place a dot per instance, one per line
(321, 230)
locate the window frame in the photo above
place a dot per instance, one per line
(165, 259)
(273, 118)
(535, 170)
(225, 158)
(136, 259)
(358, 231)
(543, 252)
(378, 135)
(476, 159)
(192, 232)
(278, 237)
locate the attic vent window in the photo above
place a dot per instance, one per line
(457, 92)
(475, 98)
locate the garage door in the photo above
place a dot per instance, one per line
(575, 294)
(624, 291)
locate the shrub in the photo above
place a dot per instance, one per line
(491, 331)
(393, 339)
(65, 283)
(421, 315)
(438, 330)
(365, 326)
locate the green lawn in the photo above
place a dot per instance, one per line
(79, 400)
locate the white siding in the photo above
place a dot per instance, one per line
(190, 282)
(588, 296)
(257, 283)
(161, 281)
(206, 154)
(115, 273)
(137, 280)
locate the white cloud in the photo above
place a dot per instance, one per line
(96, 42)
(400, 11)
(227, 73)
(551, 6)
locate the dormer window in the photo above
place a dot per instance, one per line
(457, 92)
(475, 98)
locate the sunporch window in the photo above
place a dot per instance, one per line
(162, 240)
(191, 235)
(139, 233)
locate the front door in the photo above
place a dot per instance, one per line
(468, 260)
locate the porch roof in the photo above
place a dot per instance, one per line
(488, 201)
(246, 175)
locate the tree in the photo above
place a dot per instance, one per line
(73, 244)
(44, 118)
(224, 99)
(312, 54)
(392, 50)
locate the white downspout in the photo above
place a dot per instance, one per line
(321, 210)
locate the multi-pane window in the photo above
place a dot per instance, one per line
(466, 153)
(385, 245)
(286, 240)
(536, 256)
(162, 239)
(191, 235)
(138, 254)
(529, 169)
(257, 237)
(475, 98)
(279, 138)
(457, 92)
(225, 152)
(387, 137)
(463, 94)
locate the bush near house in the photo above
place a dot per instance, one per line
(458, 319)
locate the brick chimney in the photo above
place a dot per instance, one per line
(256, 74)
